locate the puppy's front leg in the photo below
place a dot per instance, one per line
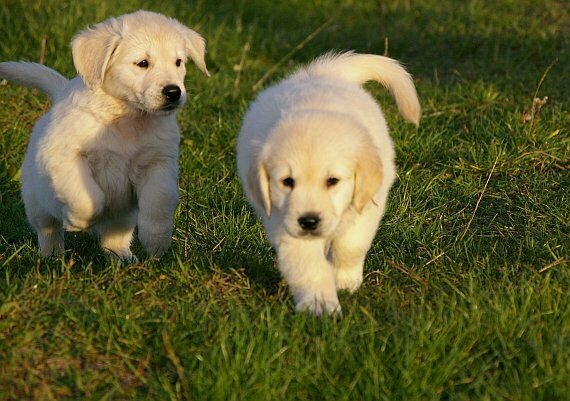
(348, 250)
(157, 198)
(309, 275)
(83, 200)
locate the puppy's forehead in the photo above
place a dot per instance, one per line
(149, 37)
(316, 146)
(149, 30)
(318, 132)
(138, 46)
(148, 22)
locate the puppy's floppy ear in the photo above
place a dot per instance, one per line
(92, 49)
(368, 177)
(258, 185)
(195, 47)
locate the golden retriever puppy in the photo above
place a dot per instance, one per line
(317, 163)
(105, 156)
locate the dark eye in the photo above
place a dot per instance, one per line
(178, 63)
(289, 182)
(332, 181)
(143, 64)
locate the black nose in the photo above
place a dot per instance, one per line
(309, 221)
(172, 93)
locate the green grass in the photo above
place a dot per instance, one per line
(467, 287)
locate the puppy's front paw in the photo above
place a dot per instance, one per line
(319, 305)
(124, 255)
(155, 243)
(82, 218)
(348, 279)
(74, 222)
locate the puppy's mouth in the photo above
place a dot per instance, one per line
(170, 106)
(162, 110)
(171, 99)
(309, 234)
(305, 234)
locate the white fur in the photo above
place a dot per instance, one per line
(104, 158)
(321, 130)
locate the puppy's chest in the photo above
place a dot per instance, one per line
(113, 172)
(118, 170)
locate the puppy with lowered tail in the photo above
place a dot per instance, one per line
(105, 156)
(317, 163)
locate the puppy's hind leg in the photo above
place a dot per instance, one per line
(50, 234)
(37, 204)
(117, 235)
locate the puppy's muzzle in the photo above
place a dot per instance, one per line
(172, 94)
(309, 222)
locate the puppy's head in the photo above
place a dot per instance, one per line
(313, 168)
(139, 59)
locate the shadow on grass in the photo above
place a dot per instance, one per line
(440, 41)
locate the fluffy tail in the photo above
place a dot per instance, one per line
(34, 75)
(360, 68)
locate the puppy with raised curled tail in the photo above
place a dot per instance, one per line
(105, 156)
(316, 162)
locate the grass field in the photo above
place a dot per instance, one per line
(466, 294)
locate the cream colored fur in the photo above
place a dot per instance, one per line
(317, 163)
(104, 158)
